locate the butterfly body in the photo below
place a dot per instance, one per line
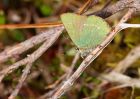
(86, 32)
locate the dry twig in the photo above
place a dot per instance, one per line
(21, 81)
(55, 33)
(76, 58)
(128, 61)
(122, 79)
(118, 6)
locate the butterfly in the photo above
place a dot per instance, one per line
(86, 32)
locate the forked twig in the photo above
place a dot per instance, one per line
(35, 54)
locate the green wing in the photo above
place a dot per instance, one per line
(73, 24)
(94, 32)
(85, 32)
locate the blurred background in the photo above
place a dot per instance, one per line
(54, 63)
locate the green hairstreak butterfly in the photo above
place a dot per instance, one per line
(87, 32)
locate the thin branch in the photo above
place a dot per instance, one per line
(126, 25)
(84, 7)
(122, 79)
(76, 58)
(67, 84)
(56, 83)
(128, 60)
(35, 54)
(36, 25)
(50, 93)
(112, 9)
(24, 46)
(21, 81)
